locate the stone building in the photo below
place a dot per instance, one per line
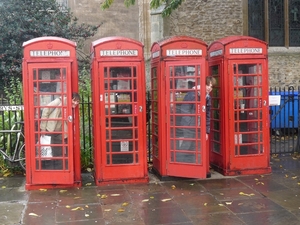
(275, 21)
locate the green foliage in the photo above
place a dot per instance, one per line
(86, 120)
(169, 5)
(23, 20)
(13, 91)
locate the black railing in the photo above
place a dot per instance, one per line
(284, 123)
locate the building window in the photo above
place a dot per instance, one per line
(274, 21)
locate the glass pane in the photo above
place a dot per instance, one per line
(276, 22)
(256, 19)
(294, 22)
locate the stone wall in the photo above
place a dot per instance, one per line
(116, 21)
(210, 20)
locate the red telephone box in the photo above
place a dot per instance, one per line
(178, 67)
(119, 121)
(50, 75)
(239, 139)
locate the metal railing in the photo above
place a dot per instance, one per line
(284, 123)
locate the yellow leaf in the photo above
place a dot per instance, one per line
(240, 203)
(256, 179)
(152, 197)
(62, 191)
(298, 183)
(3, 187)
(228, 203)
(98, 195)
(121, 210)
(114, 195)
(125, 204)
(42, 189)
(286, 176)
(89, 169)
(76, 197)
(88, 184)
(294, 177)
(145, 200)
(67, 206)
(77, 208)
(107, 210)
(221, 193)
(173, 187)
(205, 204)
(192, 184)
(86, 215)
(221, 204)
(280, 166)
(6, 174)
(33, 214)
(103, 196)
(166, 199)
(294, 158)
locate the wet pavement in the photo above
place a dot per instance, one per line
(255, 199)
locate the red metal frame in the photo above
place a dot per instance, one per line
(240, 141)
(43, 56)
(119, 100)
(175, 153)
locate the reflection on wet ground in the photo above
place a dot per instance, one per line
(241, 200)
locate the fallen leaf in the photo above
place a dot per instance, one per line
(280, 166)
(121, 210)
(6, 174)
(205, 204)
(152, 197)
(228, 203)
(76, 197)
(107, 210)
(256, 179)
(242, 193)
(88, 184)
(86, 215)
(294, 177)
(166, 199)
(77, 208)
(114, 195)
(33, 214)
(221, 193)
(103, 196)
(125, 204)
(298, 183)
(192, 184)
(89, 169)
(67, 206)
(173, 187)
(221, 204)
(42, 189)
(3, 187)
(241, 203)
(286, 176)
(145, 200)
(86, 206)
(62, 191)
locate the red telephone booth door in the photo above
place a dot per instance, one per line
(49, 82)
(185, 119)
(250, 114)
(122, 121)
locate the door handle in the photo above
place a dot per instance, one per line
(141, 108)
(203, 108)
(70, 119)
